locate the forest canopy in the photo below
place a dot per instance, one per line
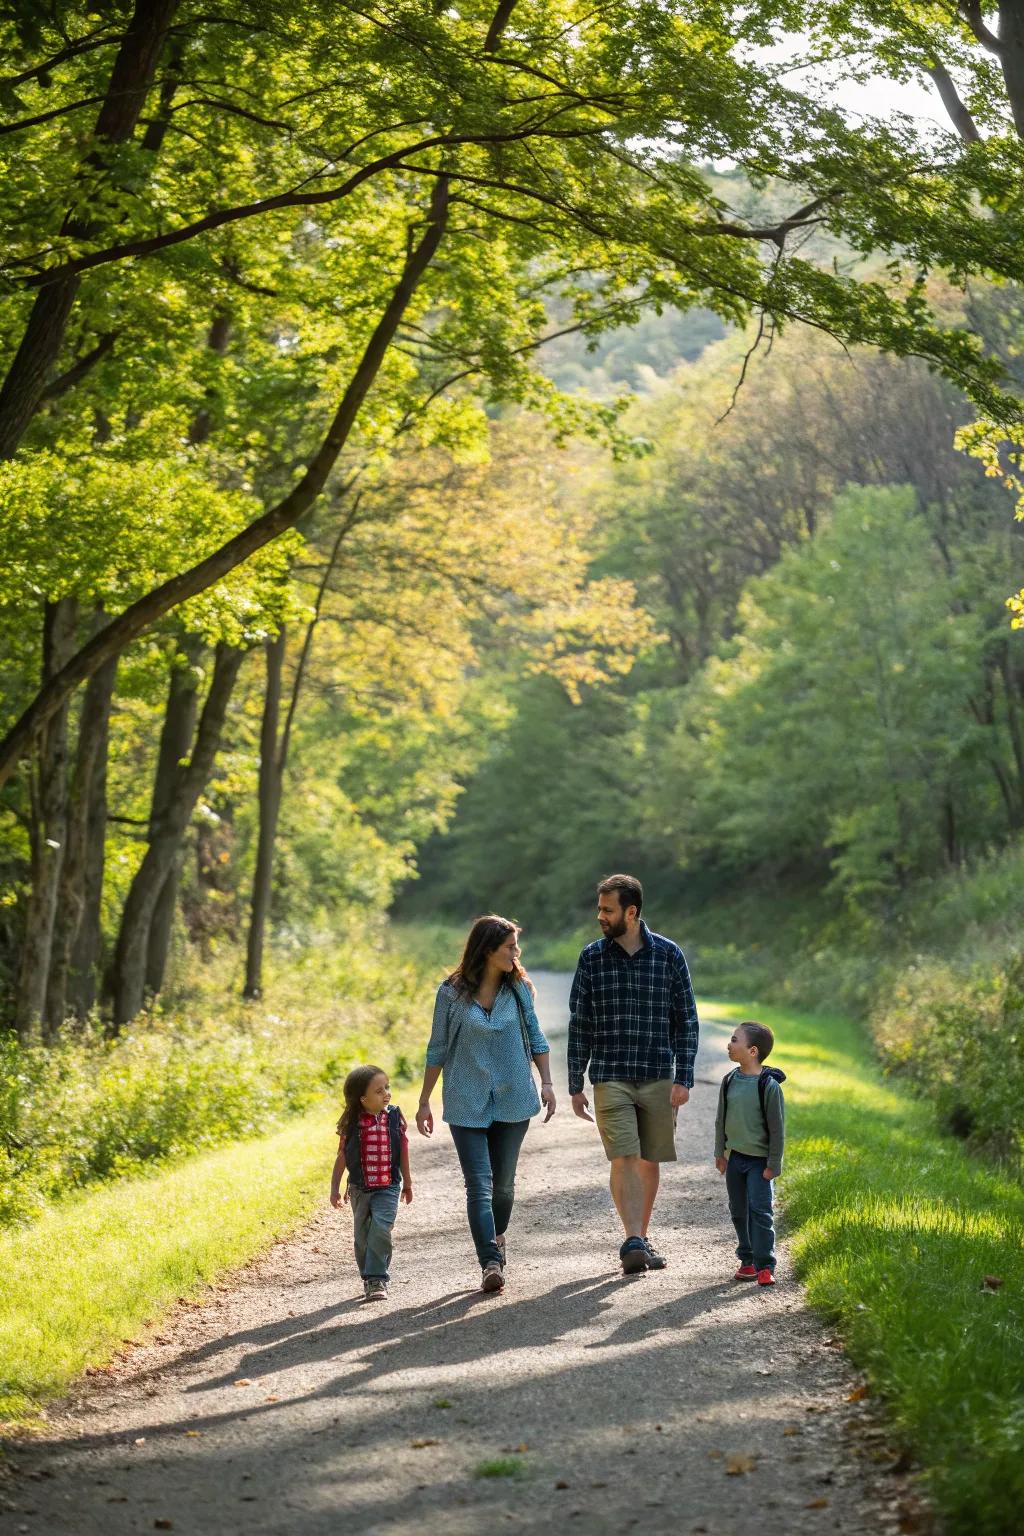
(287, 495)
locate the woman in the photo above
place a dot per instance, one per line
(485, 1036)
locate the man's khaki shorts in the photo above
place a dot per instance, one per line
(635, 1120)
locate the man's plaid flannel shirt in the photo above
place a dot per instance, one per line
(633, 1017)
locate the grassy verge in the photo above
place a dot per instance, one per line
(917, 1252)
(206, 1069)
(91, 1272)
(134, 1171)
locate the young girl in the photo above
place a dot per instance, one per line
(374, 1149)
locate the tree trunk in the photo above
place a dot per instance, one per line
(130, 80)
(49, 827)
(129, 978)
(144, 613)
(270, 783)
(1011, 57)
(1013, 720)
(86, 959)
(81, 876)
(175, 744)
(274, 760)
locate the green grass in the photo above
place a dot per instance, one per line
(93, 1271)
(206, 1069)
(500, 1466)
(895, 1230)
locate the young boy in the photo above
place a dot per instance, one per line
(750, 1131)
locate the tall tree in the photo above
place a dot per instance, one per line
(566, 139)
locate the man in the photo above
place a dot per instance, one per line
(633, 1017)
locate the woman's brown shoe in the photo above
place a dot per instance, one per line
(492, 1278)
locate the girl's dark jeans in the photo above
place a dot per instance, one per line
(750, 1206)
(488, 1159)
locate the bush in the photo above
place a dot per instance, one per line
(961, 1041)
(90, 1109)
(939, 978)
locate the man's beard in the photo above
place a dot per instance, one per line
(614, 930)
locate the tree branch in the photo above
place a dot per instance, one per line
(397, 160)
(86, 44)
(144, 613)
(78, 370)
(971, 11)
(47, 117)
(499, 22)
(307, 644)
(959, 116)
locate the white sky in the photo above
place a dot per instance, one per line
(877, 98)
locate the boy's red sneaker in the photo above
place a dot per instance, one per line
(745, 1272)
(765, 1277)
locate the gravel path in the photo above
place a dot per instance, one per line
(677, 1401)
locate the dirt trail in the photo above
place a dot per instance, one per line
(671, 1402)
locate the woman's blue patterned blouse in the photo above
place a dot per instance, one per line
(487, 1074)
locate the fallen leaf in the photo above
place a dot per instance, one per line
(419, 1445)
(737, 1465)
(272, 1399)
(992, 1282)
(792, 1429)
(192, 1434)
(858, 1394)
(243, 1381)
(817, 1504)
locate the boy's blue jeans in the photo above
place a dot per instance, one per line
(488, 1159)
(373, 1213)
(750, 1206)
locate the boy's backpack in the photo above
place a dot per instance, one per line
(762, 1087)
(353, 1160)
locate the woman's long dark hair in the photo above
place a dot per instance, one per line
(486, 935)
(356, 1084)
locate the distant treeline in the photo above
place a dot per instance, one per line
(835, 700)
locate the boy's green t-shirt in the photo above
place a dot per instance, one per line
(742, 1127)
(745, 1130)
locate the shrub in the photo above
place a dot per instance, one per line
(90, 1109)
(961, 1041)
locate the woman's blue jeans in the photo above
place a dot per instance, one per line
(488, 1159)
(750, 1206)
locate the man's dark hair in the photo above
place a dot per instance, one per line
(759, 1036)
(627, 888)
